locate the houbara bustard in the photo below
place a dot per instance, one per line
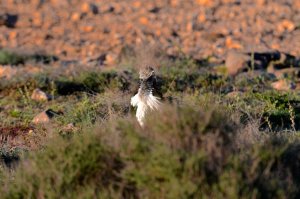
(144, 100)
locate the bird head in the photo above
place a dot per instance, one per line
(146, 73)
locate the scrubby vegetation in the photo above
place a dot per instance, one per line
(215, 137)
(13, 58)
(227, 73)
(196, 153)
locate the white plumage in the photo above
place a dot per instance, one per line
(144, 104)
(144, 100)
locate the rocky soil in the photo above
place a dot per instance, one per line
(83, 30)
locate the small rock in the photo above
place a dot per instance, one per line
(106, 8)
(232, 44)
(69, 127)
(89, 7)
(7, 72)
(87, 28)
(174, 3)
(99, 60)
(201, 18)
(286, 25)
(234, 94)
(2, 20)
(39, 95)
(144, 20)
(8, 20)
(283, 85)
(13, 35)
(137, 4)
(45, 116)
(41, 118)
(206, 3)
(110, 59)
(281, 73)
(236, 62)
(37, 19)
(75, 16)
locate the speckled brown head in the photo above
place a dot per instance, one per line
(146, 72)
(147, 80)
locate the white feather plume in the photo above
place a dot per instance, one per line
(144, 103)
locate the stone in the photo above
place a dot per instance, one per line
(39, 95)
(2, 20)
(286, 25)
(89, 7)
(207, 3)
(110, 59)
(283, 85)
(174, 3)
(41, 118)
(13, 35)
(70, 127)
(87, 28)
(201, 18)
(137, 4)
(7, 71)
(8, 20)
(236, 62)
(281, 73)
(75, 16)
(232, 44)
(144, 20)
(45, 116)
(234, 94)
(37, 19)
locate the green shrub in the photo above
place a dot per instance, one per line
(182, 152)
(9, 58)
(12, 58)
(67, 169)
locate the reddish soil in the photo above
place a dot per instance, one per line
(76, 30)
(14, 131)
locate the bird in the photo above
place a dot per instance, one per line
(144, 100)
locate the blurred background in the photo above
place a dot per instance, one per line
(75, 30)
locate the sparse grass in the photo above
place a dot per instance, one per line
(192, 154)
(203, 144)
(10, 58)
(13, 58)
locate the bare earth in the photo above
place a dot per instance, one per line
(80, 30)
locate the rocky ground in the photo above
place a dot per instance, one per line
(76, 30)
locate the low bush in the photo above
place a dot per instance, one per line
(182, 152)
